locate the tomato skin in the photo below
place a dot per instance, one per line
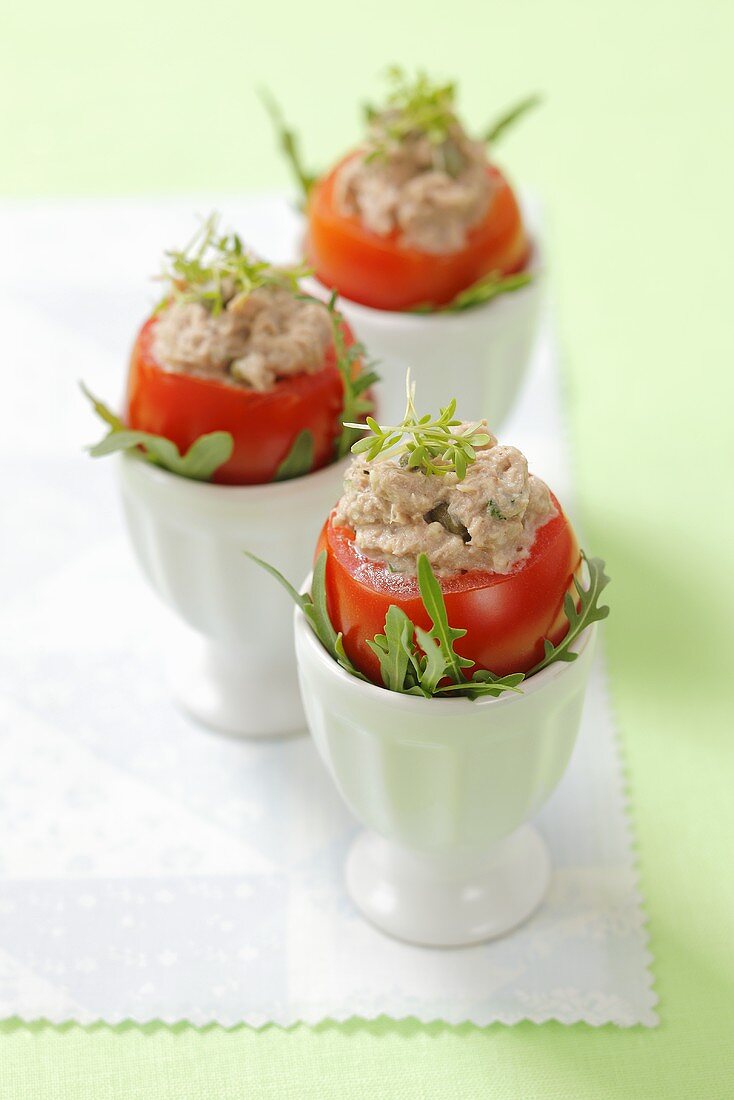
(264, 426)
(506, 616)
(382, 273)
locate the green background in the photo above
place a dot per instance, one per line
(633, 155)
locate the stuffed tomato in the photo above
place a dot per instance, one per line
(235, 347)
(418, 213)
(507, 616)
(446, 568)
(497, 540)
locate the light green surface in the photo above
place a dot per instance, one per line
(633, 153)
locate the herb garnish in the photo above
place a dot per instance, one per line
(414, 661)
(494, 511)
(216, 269)
(413, 106)
(424, 443)
(419, 105)
(205, 455)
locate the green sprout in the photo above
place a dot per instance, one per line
(215, 269)
(417, 105)
(425, 443)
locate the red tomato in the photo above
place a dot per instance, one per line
(382, 273)
(506, 616)
(264, 426)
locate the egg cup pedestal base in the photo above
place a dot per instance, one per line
(217, 685)
(448, 900)
(232, 663)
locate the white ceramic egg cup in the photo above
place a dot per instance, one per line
(479, 356)
(446, 789)
(236, 671)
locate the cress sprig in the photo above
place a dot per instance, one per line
(215, 268)
(423, 443)
(420, 105)
(414, 105)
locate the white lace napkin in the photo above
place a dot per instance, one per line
(150, 869)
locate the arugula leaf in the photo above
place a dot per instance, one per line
(484, 683)
(441, 633)
(414, 661)
(343, 660)
(393, 649)
(355, 382)
(205, 455)
(433, 665)
(313, 605)
(488, 288)
(484, 290)
(299, 459)
(510, 116)
(289, 146)
(578, 618)
(299, 598)
(318, 612)
(101, 409)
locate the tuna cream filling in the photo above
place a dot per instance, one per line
(254, 341)
(486, 522)
(432, 195)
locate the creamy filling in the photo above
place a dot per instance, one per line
(431, 194)
(486, 522)
(254, 341)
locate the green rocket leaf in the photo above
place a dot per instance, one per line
(205, 455)
(299, 459)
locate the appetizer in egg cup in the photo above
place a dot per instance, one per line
(444, 648)
(423, 237)
(232, 436)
